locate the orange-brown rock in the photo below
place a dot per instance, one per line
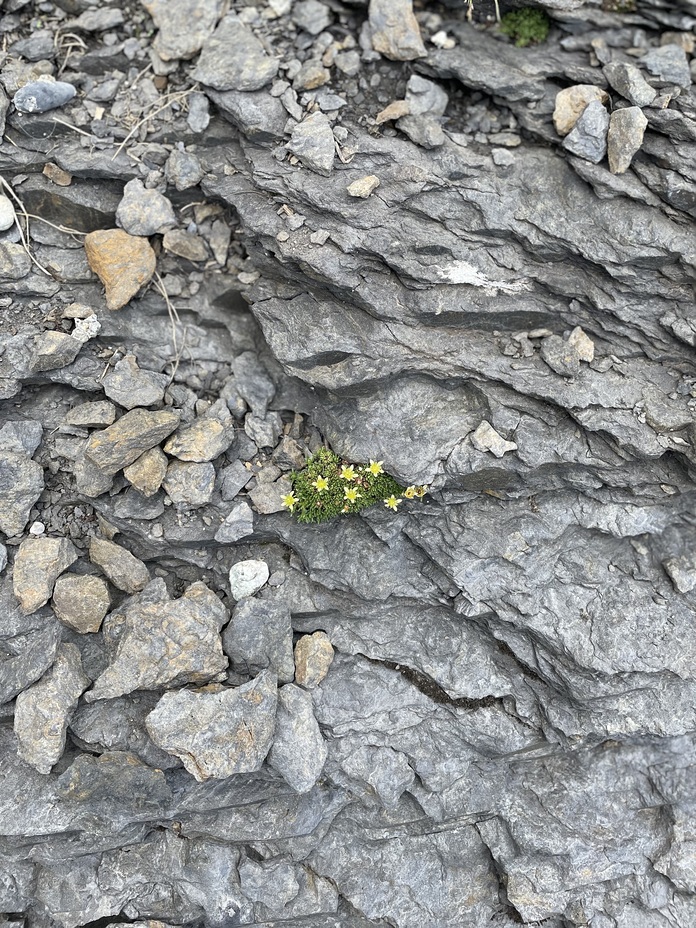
(124, 263)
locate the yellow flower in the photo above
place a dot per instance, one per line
(290, 500)
(351, 494)
(410, 492)
(392, 502)
(321, 484)
(376, 468)
(348, 472)
(421, 491)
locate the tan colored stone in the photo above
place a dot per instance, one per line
(57, 175)
(395, 30)
(123, 442)
(38, 564)
(571, 104)
(313, 657)
(147, 473)
(124, 263)
(203, 440)
(81, 602)
(121, 567)
(363, 186)
(395, 110)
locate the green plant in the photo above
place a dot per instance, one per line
(329, 487)
(527, 26)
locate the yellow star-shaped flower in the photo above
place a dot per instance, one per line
(289, 501)
(321, 484)
(410, 492)
(375, 468)
(351, 494)
(392, 502)
(348, 472)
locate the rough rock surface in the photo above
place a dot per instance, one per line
(37, 565)
(81, 602)
(124, 263)
(298, 752)
(259, 637)
(123, 442)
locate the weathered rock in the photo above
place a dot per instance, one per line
(311, 15)
(129, 386)
(3, 557)
(43, 711)
(147, 472)
(234, 479)
(627, 80)
(363, 187)
(588, 138)
(299, 751)
(239, 523)
(268, 497)
(124, 263)
(134, 433)
(38, 564)
(183, 26)
(116, 778)
(561, 356)
(92, 415)
(81, 602)
(184, 245)
(312, 142)
(626, 131)
(43, 95)
(247, 578)
(234, 59)
(670, 64)
(15, 263)
(263, 432)
(21, 435)
(203, 440)
(166, 644)
(313, 657)
(183, 169)
(252, 382)
(395, 30)
(53, 350)
(121, 567)
(311, 75)
(89, 479)
(189, 485)
(582, 343)
(144, 212)
(485, 438)
(259, 637)
(571, 104)
(217, 734)
(21, 484)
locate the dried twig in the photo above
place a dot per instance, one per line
(175, 320)
(24, 233)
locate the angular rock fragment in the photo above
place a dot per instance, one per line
(588, 138)
(395, 30)
(166, 644)
(81, 602)
(115, 778)
(682, 572)
(21, 435)
(144, 212)
(43, 95)
(670, 64)
(259, 637)
(92, 415)
(247, 578)
(203, 440)
(626, 130)
(124, 263)
(217, 733)
(38, 564)
(21, 484)
(15, 263)
(134, 433)
(238, 524)
(53, 350)
(312, 141)
(561, 356)
(313, 657)
(572, 102)
(147, 472)
(485, 438)
(299, 751)
(427, 102)
(363, 187)
(43, 711)
(234, 59)
(268, 497)
(234, 479)
(582, 343)
(184, 245)
(627, 80)
(183, 169)
(129, 386)
(189, 485)
(89, 479)
(311, 15)
(252, 382)
(121, 567)
(183, 26)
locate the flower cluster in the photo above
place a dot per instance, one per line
(328, 487)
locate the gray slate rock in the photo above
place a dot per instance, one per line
(166, 644)
(238, 524)
(311, 15)
(115, 780)
(234, 479)
(627, 80)
(53, 350)
(125, 571)
(21, 484)
(21, 435)
(183, 26)
(252, 382)
(41, 96)
(92, 415)
(234, 59)
(43, 711)
(189, 485)
(299, 751)
(259, 637)
(670, 64)
(312, 142)
(395, 31)
(38, 564)
(561, 356)
(588, 138)
(144, 212)
(183, 169)
(123, 442)
(217, 734)
(626, 130)
(129, 386)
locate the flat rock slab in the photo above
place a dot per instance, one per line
(125, 571)
(43, 711)
(38, 564)
(92, 415)
(299, 751)
(124, 263)
(234, 59)
(134, 433)
(217, 734)
(53, 350)
(166, 644)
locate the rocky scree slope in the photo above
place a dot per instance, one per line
(477, 711)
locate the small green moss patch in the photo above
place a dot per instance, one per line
(526, 27)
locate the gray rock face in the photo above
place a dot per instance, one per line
(627, 80)
(21, 483)
(234, 59)
(312, 142)
(124, 441)
(166, 644)
(299, 752)
(183, 26)
(43, 711)
(217, 733)
(670, 64)
(259, 637)
(144, 212)
(588, 138)
(129, 386)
